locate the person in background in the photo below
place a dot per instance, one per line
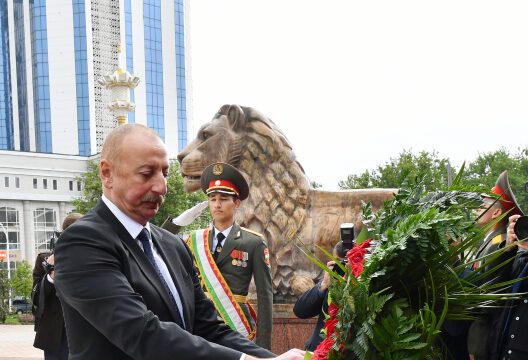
(50, 334)
(229, 256)
(129, 289)
(314, 302)
(509, 328)
(491, 210)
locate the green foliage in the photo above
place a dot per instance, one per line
(316, 185)
(176, 199)
(395, 173)
(487, 167)
(396, 333)
(92, 190)
(22, 280)
(420, 244)
(482, 172)
(4, 292)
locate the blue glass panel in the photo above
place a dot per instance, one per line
(6, 113)
(81, 76)
(153, 66)
(180, 73)
(39, 55)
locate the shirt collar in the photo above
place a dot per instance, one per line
(132, 226)
(225, 232)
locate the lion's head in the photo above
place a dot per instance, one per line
(223, 140)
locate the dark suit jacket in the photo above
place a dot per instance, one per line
(49, 326)
(238, 278)
(116, 307)
(312, 303)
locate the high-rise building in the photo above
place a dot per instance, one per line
(54, 114)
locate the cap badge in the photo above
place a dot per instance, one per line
(218, 169)
(217, 183)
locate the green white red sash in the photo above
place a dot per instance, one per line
(219, 292)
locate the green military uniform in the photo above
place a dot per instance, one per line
(244, 253)
(238, 275)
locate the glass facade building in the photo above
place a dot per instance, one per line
(154, 66)
(81, 77)
(41, 94)
(54, 113)
(6, 117)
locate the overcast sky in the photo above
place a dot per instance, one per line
(354, 83)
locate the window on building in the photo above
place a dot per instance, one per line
(6, 181)
(10, 224)
(35, 183)
(17, 182)
(45, 184)
(79, 186)
(45, 225)
(54, 184)
(71, 185)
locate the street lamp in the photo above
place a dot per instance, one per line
(4, 230)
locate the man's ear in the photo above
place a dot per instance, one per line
(105, 173)
(237, 203)
(497, 211)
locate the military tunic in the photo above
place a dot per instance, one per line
(238, 277)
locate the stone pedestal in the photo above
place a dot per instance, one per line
(288, 330)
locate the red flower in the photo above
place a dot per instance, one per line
(324, 347)
(330, 325)
(332, 310)
(356, 257)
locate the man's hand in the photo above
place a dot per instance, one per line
(292, 354)
(51, 260)
(326, 278)
(510, 234)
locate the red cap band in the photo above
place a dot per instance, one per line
(224, 185)
(506, 201)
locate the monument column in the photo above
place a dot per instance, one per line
(29, 236)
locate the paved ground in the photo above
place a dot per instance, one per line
(16, 343)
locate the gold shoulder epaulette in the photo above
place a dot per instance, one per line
(251, 231)
(497, 239)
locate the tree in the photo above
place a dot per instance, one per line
(316, 185)
(488, 166)
(396, 172)
(482, 173)
(4, 293)
(176, 199)
(92, 188)
(22, 281)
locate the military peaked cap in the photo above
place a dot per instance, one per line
(224, 178)
(507, 199)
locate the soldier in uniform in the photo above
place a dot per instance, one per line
(491, 210)
(228, 256)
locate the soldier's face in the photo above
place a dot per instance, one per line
(223, 207)
(488, 211)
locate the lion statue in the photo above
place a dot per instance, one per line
(282, 205)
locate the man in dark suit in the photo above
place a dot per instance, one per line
(129, 289)
(234, 256)
(314, 302)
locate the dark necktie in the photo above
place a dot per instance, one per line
(220, 237)
(144, 238)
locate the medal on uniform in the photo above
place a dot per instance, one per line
(245, 257)
(234, 255)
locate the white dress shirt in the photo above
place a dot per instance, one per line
(134, 228)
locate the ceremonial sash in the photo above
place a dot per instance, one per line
(219, 292)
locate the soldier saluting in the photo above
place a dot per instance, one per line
(228, 256)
